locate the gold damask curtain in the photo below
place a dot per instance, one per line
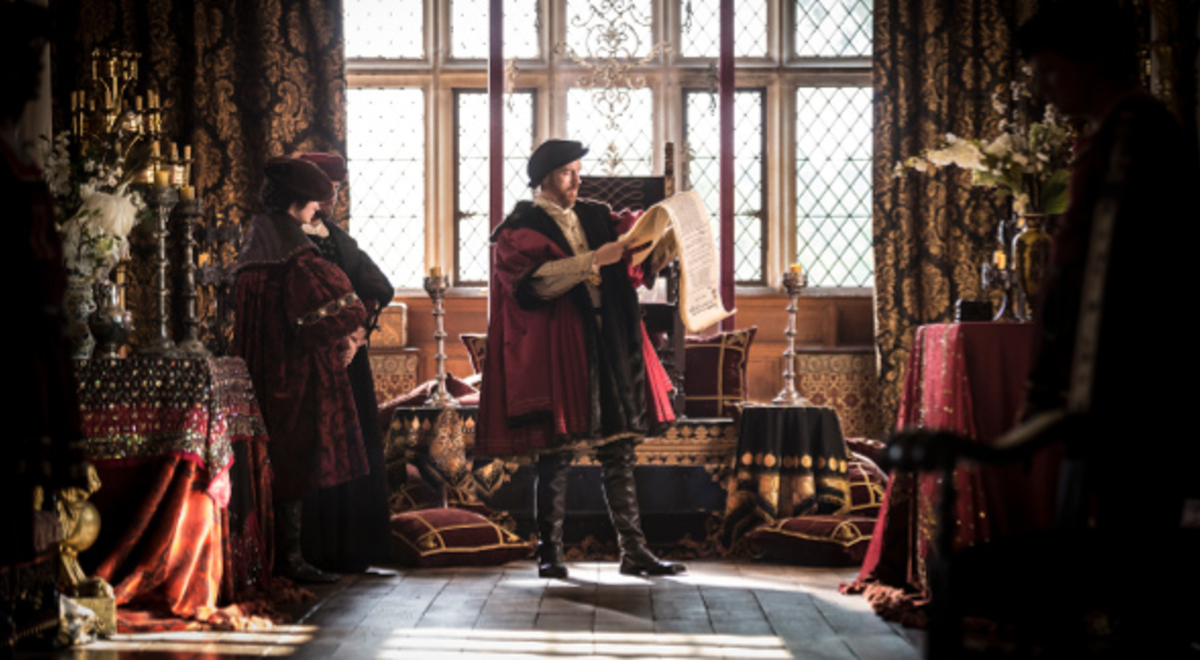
(936, 65)
(240, 80)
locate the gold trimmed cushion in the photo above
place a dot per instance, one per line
(821, 540)
(476, 350)
(867, 485)
(716, 373)
(453, 537)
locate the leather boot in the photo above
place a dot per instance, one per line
(550, 508)
(289, 560)
(620, 492)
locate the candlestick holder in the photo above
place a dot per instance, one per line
(793, 283)
(1004, 280)
(161, 201)
(187, 212)
(436, 286)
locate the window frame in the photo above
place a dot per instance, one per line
(549, 77)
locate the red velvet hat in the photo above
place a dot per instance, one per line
(333, 165)
(300, 177)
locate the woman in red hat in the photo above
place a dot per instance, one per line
(298, 326)
(346, 527)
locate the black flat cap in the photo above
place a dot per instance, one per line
(300, 177)
(551, 155)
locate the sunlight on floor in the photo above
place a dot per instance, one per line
(278, 641)
(421, 642)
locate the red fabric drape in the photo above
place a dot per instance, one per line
(169, 556)
(967, 378)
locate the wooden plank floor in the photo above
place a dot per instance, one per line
(718, 610)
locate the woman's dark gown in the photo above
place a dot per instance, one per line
(345, 528)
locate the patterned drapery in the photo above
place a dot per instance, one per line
(240, 81)
(936, 65)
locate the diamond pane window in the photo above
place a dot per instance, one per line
(617, 125)
(386, 153)
(834, 28)
(703, 143)
(472, 173)
(384, 29)
(609, 28)
(470, 35)
(700, 28)
(833, 185)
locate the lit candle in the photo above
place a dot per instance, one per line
(162, 179)
(796, 269)
(187, 194)
(1001, 259)
(435, 272)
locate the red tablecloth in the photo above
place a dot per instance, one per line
(182, 527)
(967, 378)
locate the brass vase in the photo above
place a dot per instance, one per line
(1031, 261)
(111, 324)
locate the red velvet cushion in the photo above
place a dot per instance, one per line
(872, 449)
(867, 484)
(476, 350)
(454, 537)
(716, 373)
(416, 494)
(823, 540)
(415, 398)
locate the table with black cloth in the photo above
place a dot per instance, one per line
(439, 442)
(185, 501)
(790, 461)
(967, 378)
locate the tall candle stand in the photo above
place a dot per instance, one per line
(188, 211)
(794, 283)
(161, 200)
(436, 285)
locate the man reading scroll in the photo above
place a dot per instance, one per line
(569, 365)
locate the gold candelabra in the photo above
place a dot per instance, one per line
(108, 113)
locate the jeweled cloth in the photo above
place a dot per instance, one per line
(440, 443)
(790, 461)
(183, 524)
(968, 378)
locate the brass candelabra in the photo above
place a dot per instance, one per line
(794, 282)
(436, 285)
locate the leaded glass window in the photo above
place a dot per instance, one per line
(618, 127)
(470, 32)
(610, 28)
(384, 29)
(702, 149)
(700, 23)
(386, 158)
(472, 166)
(833, 28)
(833, 185)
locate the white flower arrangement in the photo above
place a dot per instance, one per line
(95, 204)
(1030, 162)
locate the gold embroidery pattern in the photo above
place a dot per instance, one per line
(327, 311)
(931, 233)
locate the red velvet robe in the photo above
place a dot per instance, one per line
(539, 387)
(294, 313)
